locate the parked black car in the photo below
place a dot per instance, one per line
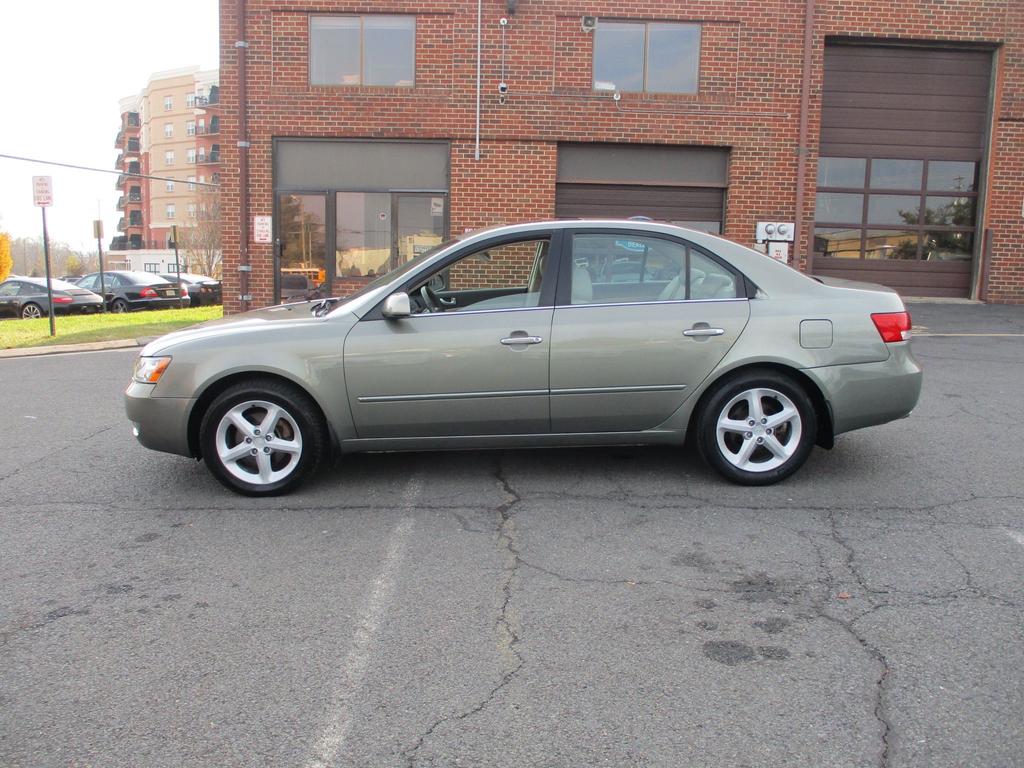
(136, 290)
(26, 297)
(201, 289)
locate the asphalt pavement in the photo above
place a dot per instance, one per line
(597, 607)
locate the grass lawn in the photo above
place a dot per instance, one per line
(77, 329)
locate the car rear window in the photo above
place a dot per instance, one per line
(141, 278)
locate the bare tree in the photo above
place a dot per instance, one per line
(201, 242)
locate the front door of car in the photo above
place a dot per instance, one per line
(640, 321)
(462, 367)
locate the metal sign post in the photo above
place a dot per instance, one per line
(97, 230)
(42, 197)
(177, 265)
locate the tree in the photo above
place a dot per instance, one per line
(6, 262)
(201, 242)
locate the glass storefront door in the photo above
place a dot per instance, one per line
(419, 224)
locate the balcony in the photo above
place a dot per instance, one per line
(122, 225)
(211, 159)
(135, 219)
(119, 243)
(119, 162)
(121, 201)
(135, 195)
(131, 120)
(119, 184)
(134, 168)
(119, 139)
(134, 145)
(210, 100)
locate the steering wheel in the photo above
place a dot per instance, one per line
(430, 299)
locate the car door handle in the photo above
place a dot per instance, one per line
(516, 341)
(704, 332)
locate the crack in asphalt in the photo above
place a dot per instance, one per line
(68, 447)
(505, 624)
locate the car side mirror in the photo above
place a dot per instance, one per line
(397, 305)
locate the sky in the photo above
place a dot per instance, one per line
(65, 64)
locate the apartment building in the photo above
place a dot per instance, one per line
(171, 130)
(888, 136)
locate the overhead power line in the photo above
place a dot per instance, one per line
(107, 170)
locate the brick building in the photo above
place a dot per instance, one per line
(368, 138)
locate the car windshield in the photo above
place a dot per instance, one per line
(394, 274)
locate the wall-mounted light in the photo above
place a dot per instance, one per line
(607, 87)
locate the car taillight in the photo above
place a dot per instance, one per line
(147, 293)
(892, 326)
(62, 299)
(184, 292)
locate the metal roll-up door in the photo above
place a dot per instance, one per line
(903, 132)
(685, 185)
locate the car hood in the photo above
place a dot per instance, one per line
(243, 324)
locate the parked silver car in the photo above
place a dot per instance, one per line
(545, 334)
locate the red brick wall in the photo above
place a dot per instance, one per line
(749, 100)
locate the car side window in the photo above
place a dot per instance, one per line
(31, 289)
(88, 282)
(505, 276)
(9, 288)
(709, 279)
(617, 268)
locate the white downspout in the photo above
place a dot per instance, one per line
(479, 48)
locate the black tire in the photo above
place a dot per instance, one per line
(31, 311)
(119, 305)
(303, 416)
(725, 395)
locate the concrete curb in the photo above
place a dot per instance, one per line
(58, 349)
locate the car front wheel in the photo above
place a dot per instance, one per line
(758, 428)
(262, 438)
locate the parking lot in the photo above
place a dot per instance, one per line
(592, 607)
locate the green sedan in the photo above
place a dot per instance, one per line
(554, 333)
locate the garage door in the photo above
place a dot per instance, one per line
(902, 142)
(684, 185)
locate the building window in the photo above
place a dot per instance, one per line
(169, 186)
(362, 50)
(168, 103)
(191, 184)
(896, 209)
(169, 157)
(170, 210)
(190, 156)
(202, 125)
(168, 130)
(653, 57)
(190, 128)
(151, 267)
(191, 210)
(302, 227)
(190, 100)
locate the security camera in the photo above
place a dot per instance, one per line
(502, 88)
(589, 23)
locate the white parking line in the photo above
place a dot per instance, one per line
(353, 669)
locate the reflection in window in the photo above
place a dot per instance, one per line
(837, 242)
(362, 50)
(302, 229)
(890, 244)
(949, 211)
(896, 174)
(948, 246)
(841, 171)
(893, 209)
(363, 238)
(839, 207)
(953, 176)
(654, 57)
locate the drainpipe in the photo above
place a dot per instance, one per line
(244, 268)
(801, 162)
(479, 48)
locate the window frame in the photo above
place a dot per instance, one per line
(646, 24)
(745, 289)
(921, 229)
(168, 103)
(362, 48)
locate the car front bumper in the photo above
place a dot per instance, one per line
(867, 394)
(159, 423)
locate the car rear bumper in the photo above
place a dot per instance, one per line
(159, 423)
(867, 394)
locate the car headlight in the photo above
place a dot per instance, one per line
(148, 370)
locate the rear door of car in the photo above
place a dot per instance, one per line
(640, 320)
(9, 303)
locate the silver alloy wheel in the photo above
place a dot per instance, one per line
(759, 430)
(31, 312)
(259, 442)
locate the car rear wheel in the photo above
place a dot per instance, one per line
(758, 428)
(31, 311)
(119, 306)
(262, 438)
